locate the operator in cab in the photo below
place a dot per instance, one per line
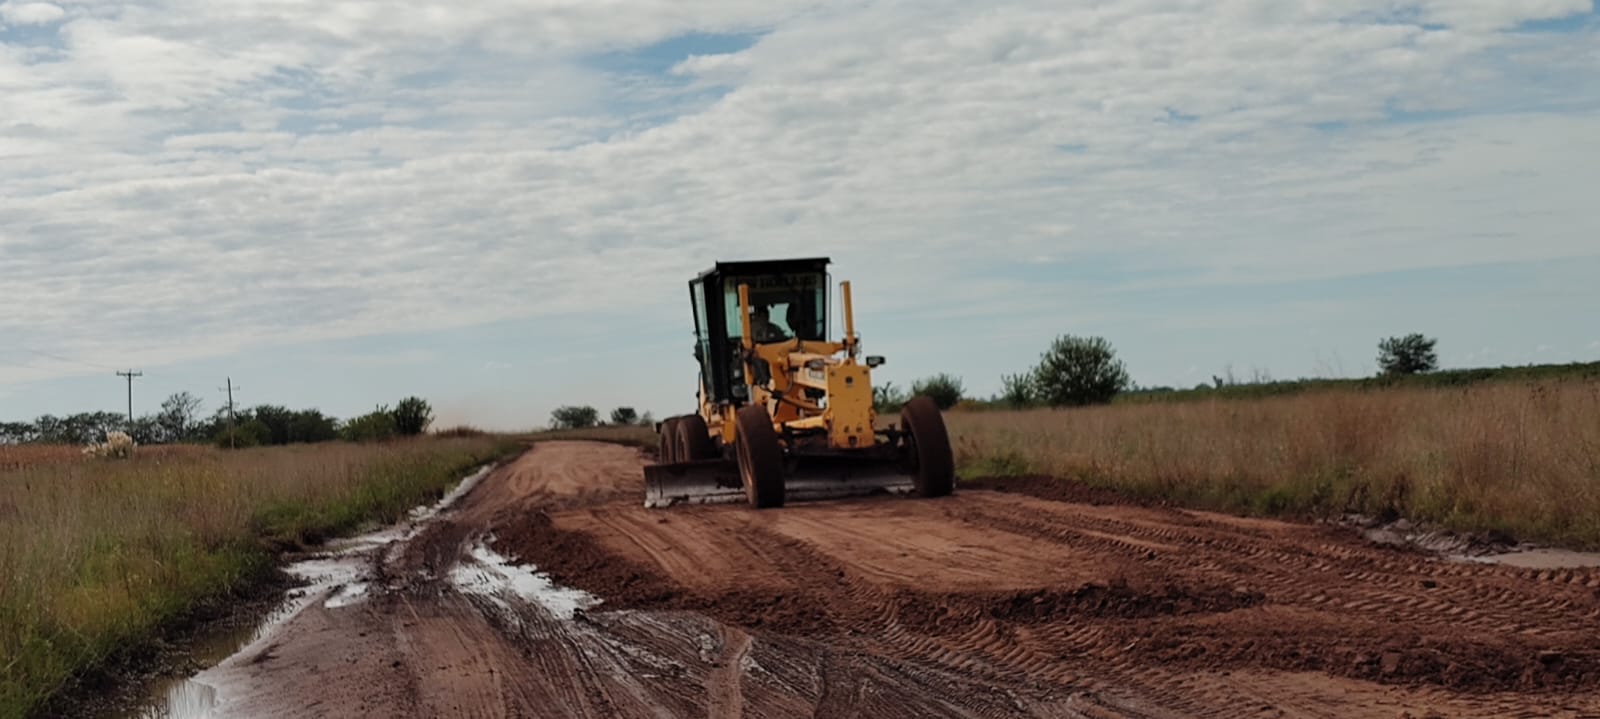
(762, 329)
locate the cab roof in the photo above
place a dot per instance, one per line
(763, 267)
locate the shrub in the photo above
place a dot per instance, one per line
(1079, 371)
(624, 415)
(118, 445)
(572, 417)
(412, 416)
(945, 390)
(249, 433)
(1019, 390)
(887, 398)
(374, 426)
(1410, 354)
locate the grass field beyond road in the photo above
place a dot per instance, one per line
(1520, 458)
(97, 555)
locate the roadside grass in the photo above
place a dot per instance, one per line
(1517, 458)
(98, 556)
(23, 456)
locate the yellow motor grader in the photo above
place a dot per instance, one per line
(784, 413)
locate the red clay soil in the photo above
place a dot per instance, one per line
(990, 603)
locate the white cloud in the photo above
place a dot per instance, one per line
(188, 178)
(30, 13)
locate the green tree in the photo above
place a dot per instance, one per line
(146, 429)
(310, 425)
(18, 432)
(571, 417)
(374, 426)
(247, 431)
(412, 416)
(624, 415)
(176, 421)
(945, 390)
(277, 419)
(1078, 371)
(887, 398)
(1410, 354)
(1019, 390)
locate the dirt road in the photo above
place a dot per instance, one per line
(1038, 601)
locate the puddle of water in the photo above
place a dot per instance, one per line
(186, 699)
(490, 575)
(1485, 549)
(337, 577)
(347, 595)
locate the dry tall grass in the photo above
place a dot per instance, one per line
(1524, 459)
(96, 554)
(20, 456)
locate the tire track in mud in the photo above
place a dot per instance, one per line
(1171, 604)
(1360, 606)
(725, 685)
(1359, 579)
(959, 634)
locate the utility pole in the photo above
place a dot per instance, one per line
(232, 437)
(130, 374)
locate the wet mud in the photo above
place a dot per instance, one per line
(548, 590)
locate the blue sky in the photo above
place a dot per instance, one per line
(496, 205)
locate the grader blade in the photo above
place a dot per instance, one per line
(709, 481)
(717, 481)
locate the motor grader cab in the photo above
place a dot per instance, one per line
(784, 412)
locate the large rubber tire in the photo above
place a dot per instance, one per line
(760, 458)
(694, 440)
(668, 450)
(930, 448)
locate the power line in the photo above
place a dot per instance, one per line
(61, 358)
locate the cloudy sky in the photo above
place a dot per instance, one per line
(496, 204)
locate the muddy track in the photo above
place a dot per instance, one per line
(1042, 600)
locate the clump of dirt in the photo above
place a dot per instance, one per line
(1055, 489)
(782, 612)
(1120, 599)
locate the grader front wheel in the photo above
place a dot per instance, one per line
(668, 449)
(930, 448)
(760, 458)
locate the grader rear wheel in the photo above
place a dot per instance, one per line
(760, 458)
(694, 440)
(930, 448)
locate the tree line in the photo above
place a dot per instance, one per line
(1078, 371)
(584, 417)
(180, 421)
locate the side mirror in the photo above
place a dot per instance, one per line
(875, 361)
